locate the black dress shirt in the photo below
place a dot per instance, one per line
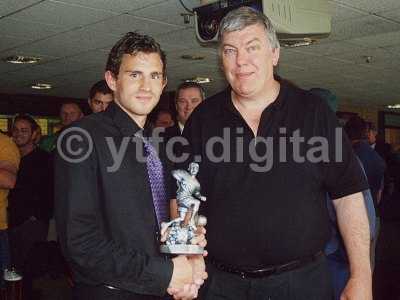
(262, 218)
(105, 215)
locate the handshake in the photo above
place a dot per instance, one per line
(189, 271)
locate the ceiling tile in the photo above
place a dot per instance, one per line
(342, 12)
(182, 37)
(378, 40)
(330, 48)
(119, 6)
(167, 11)
(371, 5)
(27, 30)
(10, 6)
(69, 43)
(61, 14)
(121, 24)
(9, 42)
(360, 27)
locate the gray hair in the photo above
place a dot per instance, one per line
(244, 16)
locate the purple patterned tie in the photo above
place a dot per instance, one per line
(156, 177)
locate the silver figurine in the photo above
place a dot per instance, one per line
(182, 229)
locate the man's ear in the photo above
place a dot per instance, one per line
(111, 80)
(165, 82)
(275, 56)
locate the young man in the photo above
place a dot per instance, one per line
(109, 206)
(267, 216)
(100, 96)
(30, 204)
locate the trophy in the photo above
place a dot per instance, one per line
(180, 231)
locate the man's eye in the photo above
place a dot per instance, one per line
(135, 75)
(229, 51)
(252, 48)
(156, 76)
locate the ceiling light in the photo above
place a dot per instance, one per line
(395, 106)
(19, 59)
(192, 57)
(198, 79)
(297, 43)
(41, 86)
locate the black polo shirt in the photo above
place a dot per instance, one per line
(265, 203)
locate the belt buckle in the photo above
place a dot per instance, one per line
(242, 274)
(111, 287)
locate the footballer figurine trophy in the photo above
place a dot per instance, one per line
(181, 230)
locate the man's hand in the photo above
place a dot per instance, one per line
(198, 269)
(181, 285)
(358, 289)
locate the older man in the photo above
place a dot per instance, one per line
(279, 151)
(69, 113)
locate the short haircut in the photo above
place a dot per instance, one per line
(190, 84)
(70, 103)
(99, 87)
(371, 126)
(245, 16)
(356, 128)
(133, 43)
(27, 118)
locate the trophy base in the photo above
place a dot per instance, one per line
(181, 249)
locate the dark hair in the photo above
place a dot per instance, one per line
(132, 43)
(27, 118)
(356, 128)
(71, 102)
(371, 126)
(99, 87)
(190, 84)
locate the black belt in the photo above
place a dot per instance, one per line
(268, 271)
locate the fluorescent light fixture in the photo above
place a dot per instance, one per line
(394, 106)
(199, 79)
(41, 86)
(297, 43)
(192, 57)
(20, 59)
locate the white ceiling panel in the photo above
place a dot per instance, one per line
(9, 6)
(380, 40)
(119, 6)
(121, 24)
(8, 42)
(392, 14)
(168, 12)
(363, 26)
(61, 14)
(182, 37)
(331, 48)
(27, 30)
(373, 6)
(69, 43)
(342, 12)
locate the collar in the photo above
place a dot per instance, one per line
(180, 126)
(123, 121)
(276, 105)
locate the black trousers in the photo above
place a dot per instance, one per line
(311, 282)
(88, 292)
